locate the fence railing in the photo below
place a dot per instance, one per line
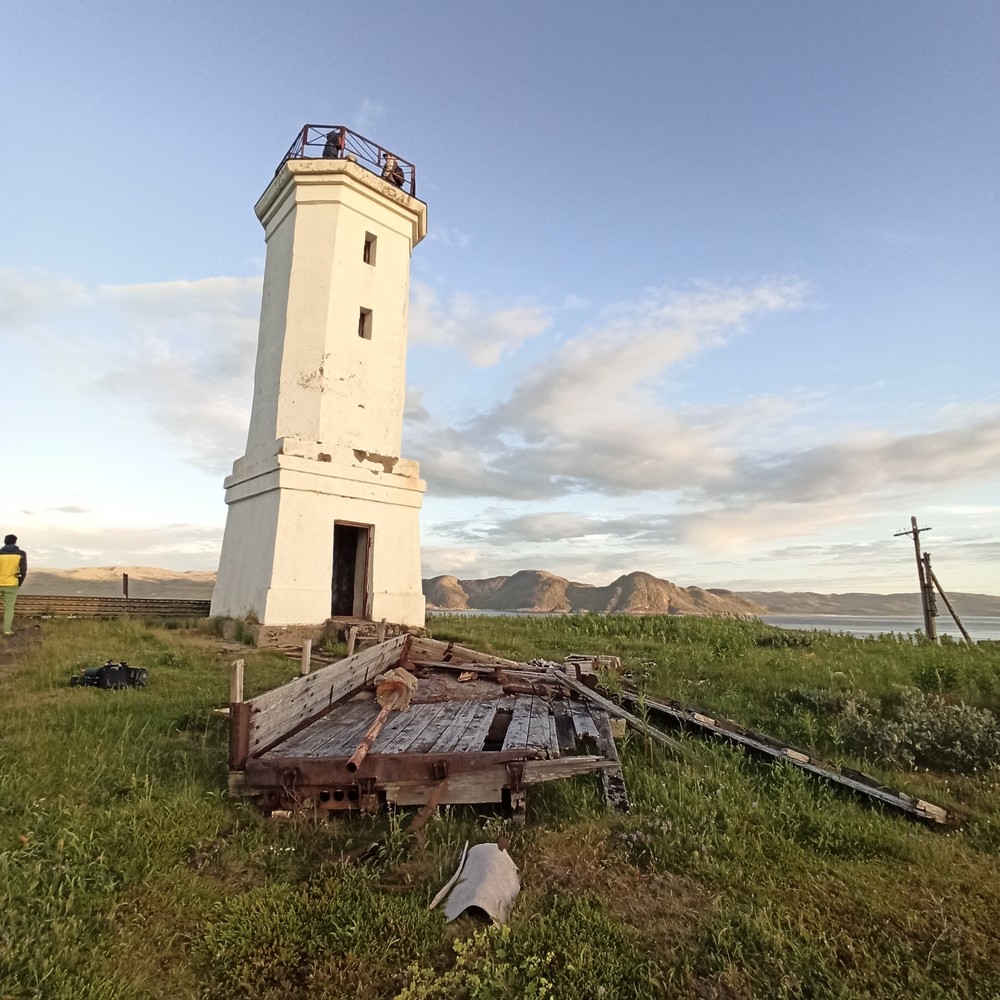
(338, 142)
(84, 606)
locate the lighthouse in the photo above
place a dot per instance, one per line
(323, 512)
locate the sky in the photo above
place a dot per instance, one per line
(710, 289)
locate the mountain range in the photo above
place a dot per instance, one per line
(536, 590)
(532, 590)
(641, 593)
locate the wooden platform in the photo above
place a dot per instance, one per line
(478, 730)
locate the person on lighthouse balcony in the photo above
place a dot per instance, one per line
(392, 171)
(334, 147)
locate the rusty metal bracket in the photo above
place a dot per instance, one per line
(515, 775)
(439, 770)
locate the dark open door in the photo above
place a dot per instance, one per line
(350, 570)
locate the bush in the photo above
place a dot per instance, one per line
(571, 951)
(923, 731)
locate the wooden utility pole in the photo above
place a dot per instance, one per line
(926, 586)
(944, 597)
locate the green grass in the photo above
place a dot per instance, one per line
(127, 872)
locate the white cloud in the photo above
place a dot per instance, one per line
(482, 335)
(600, 415)
(592, 415)
(177, 354)
(170, 546)
(27, 297)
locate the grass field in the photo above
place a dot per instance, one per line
(127, 872)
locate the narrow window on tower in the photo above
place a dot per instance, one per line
(369, 252)
(365, 324)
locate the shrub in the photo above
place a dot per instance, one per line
(923, 731)
(571, 951)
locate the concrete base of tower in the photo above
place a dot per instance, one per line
(307, 540)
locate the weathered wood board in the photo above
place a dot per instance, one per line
(278, 713)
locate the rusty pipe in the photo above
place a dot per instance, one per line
(373, 730)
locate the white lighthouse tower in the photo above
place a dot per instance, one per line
(323, 516)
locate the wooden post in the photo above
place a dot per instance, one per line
(926, 591)
(380, 632)
(239, 719)
(947, 604)
(236, 683)
(352, 638)
(930, 605)
(306, 656)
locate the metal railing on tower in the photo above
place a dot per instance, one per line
(341, 143)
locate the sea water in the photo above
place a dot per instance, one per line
(978, 626)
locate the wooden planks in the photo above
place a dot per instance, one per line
(562, 715)
(769, 748)
(435, 649)
(435, 733)
(275, 714)
(634, 722)
(529, 725)
(406, 729)
(583, 723)
(612, 778)
(467, 742)
(455, 730)
(516, 737)
(326, 733)
(474, 736)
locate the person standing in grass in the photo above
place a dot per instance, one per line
(13, 570)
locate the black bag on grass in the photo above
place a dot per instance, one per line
(111, 676)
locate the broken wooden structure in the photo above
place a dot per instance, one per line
(478, 729)
(672, 715)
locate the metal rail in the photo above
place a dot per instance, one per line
(338, 142)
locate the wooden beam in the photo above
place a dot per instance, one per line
(236, 682)
(634, 722)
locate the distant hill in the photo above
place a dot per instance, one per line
(536, 590)
(641, 593)
(805, 603)
(106, 581)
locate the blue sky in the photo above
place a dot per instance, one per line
(710, 288)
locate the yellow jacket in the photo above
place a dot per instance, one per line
(13, 566)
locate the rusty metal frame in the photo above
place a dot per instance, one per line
(318, 771)
(329, 786)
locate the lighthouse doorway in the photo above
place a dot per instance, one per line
(351, 563)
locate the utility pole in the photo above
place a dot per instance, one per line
(926, 585)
